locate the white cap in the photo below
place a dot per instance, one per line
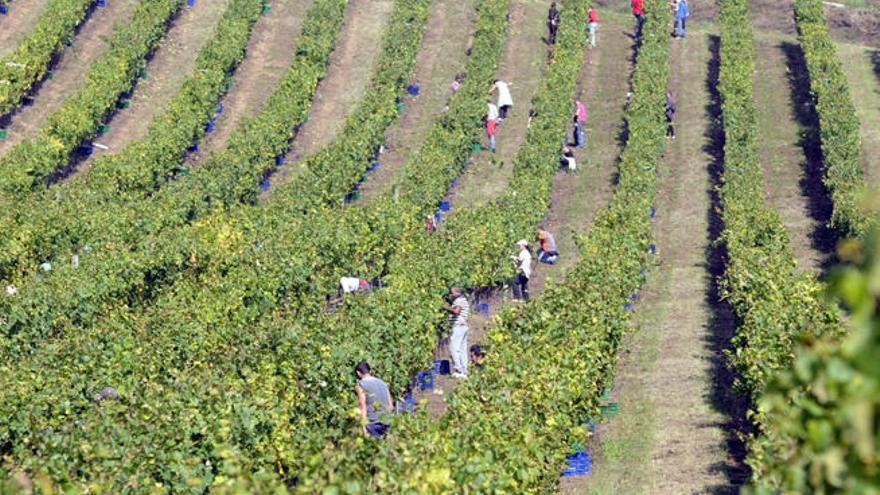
(522, 242)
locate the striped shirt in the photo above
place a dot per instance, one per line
(460, 319)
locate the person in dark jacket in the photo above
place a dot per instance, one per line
(670, 116)
(552, 23)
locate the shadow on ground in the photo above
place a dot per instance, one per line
(722, 325)
(823, 238)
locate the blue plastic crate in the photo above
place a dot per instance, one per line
(85, 150)
(209, 127)
(413, 89)
(445, 206)
(4, 9)
(628, 307)
(438, 216)
(194, 148)
(653, 212)
(191, 3)
(279, 160)
(425, 380)
(441, 367)
(265, 185)
(101, 3)
(483, 308)
(652, 248)
(219, 108)
(633, 297)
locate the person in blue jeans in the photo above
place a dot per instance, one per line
(681, 15)
(374, 401)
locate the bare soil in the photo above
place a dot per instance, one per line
(789, 149)
(441, 56)
(170, 65)
(672, 386)
(68, 74)
(522, 64)
(269, 54)
(18, 22)
(854, 25)
(347, 78)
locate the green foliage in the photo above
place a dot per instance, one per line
(111, 222)
(838, 122)
(37, 225)
(22, 68)
(775, 304)
(823, 411)
(30, 163)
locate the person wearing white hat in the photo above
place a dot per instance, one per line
(523, 262)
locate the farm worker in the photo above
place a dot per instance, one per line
(348, 285)
(456, 83)
(491, 111)
(523, 262)
(477, 356)
(374, 401)
(11, 290)
(638, 10)
(592, 26)
(580, 116)
(459, 311)
(490, 134)
(552, 23)
(670, 115)
(505, 101)
(430, 224)
(567, 160)
(681, 14)
(547, 253)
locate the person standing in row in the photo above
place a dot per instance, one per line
(580, 117)
(523, 262)
(552, 23)
(681, 15)
(670, 116)
(592, 26)
(374, 401)
(490, 134)
(459, 311)
(638, 10)
(505, 100)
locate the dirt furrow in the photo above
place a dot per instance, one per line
(269, 53)
(789, 148)
(18, 22)
(68, 75)
(172, 62)
(862, 67)
(346, 81)
(442, 55)
(670, 435)
(522, 64)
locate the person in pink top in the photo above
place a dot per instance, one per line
(580, 116)
(592, 26)
(638, 10)
(490, 134)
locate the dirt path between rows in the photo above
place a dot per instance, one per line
(671, 436)
(171, 64)
(862, 67)
(577, 198)
(269, 54)
(18, 23)
(345, 83)
(522, 64)
(789, 149)
(442, 55)
(68, 75)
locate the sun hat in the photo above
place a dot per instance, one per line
(522, 242)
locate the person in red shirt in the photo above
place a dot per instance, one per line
(638, 10)
(592, 25)
(490, 133)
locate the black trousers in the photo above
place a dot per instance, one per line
(502, 111)
(520, 287)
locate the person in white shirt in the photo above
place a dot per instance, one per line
(523, 262)
(349, 285)
(505, 101)
(491, 111)
(459, 312)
